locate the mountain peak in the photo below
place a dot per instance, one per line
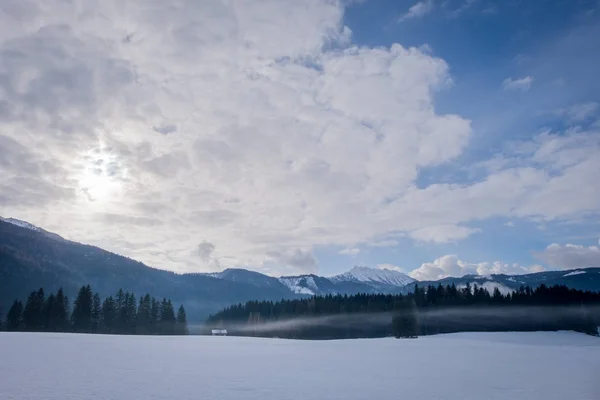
(366, 274)
(31, 227)
(22, 224)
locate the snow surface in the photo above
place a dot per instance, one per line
(574, 273)
(365, 274)
(294, 284)
(465, 366)
(22, 224)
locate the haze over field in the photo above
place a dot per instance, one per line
(468, 366)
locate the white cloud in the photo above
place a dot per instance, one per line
(523, 84)
(418, 10)
(570, 256)
(442, 233)
(510, 224)
(351, 251)
(450, 265)
(256, 127)
(384, 243)
(466, 5)
(580, 112)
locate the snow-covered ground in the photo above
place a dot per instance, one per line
(561, 365)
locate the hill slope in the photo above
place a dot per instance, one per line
(31, 257)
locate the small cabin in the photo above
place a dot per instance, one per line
(219, 332)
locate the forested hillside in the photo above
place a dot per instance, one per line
(30, 259)
(437, 309)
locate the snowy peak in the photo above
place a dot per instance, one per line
(31, 227)
(372, 275)
(304, 284)
(22, 224)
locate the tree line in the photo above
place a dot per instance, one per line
(119, 314)
(427, 310)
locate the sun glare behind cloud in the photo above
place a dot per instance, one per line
(101, 177)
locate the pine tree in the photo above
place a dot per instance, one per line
(108, 316)
(49, 324)
(96, 313)
(143, 316)
(33, 314)
(120, 325)
(405, 320)
(167, 318)
(130, 313)
(60, 312)
(14, 317)
(81, 318)
(153, 323)
(182, 327)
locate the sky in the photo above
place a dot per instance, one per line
(437, 138)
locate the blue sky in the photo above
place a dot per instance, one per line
(435, 137)
(557, 43)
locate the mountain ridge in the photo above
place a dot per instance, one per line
(31, 257)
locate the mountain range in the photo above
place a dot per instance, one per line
(31, 257)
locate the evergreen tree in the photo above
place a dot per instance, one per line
(49, 324)
(81, 319)
(33, 314)
(153, 323)
(108, 316)
(59, 312)
(130, 313)
(182, 327)
(143, 316)
(405, 319)
(14, 317)
(96, 313)
(167, 318)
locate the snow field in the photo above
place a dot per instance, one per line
(465, 366)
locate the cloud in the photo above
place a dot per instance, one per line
(580, 112)
(464, 6)
(350, 251)
(297, 260)
(570, 256)
(418, 10)
(205, 250)
(522, 84)
(442, 233)
(165, 129)
(276, 135)
(383, 243)
(450, 265)
(510, 224)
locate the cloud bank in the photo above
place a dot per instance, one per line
(570, 256)
(197, 136)
(450, 265)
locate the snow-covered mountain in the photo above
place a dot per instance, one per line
(31, 227)
(22, 224)
(582, 279)
(374, 276)
(356, 280)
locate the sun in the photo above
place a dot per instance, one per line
(96, 185)
(101, 175)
